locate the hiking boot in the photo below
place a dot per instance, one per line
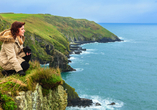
(22, 73)
(4, 73)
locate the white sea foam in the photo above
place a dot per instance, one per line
(127, 40)
(88, 51)
(88, 43)
(121, 38)
(102, 53)
(86, 63)
(85, 52)
(79, 69)
(104, 104)
(91, 50)
(72, 58)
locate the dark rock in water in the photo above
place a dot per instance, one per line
(69, 61)
(112, 103)
(83, 49)
(77, 51)
(97, 104)
(80, 102)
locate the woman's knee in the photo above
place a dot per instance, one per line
(25, 65)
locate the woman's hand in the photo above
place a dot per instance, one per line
(28, 53)
(27, 50)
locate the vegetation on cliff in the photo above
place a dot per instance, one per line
(79, 29)
(10, 86)
(70, 91)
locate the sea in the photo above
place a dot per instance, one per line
(121, 72)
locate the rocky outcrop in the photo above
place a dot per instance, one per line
(76, 49)
(113, 103)
(80, 102)
(75, 100)
(61, 61)
(105, 40)
(55, 100)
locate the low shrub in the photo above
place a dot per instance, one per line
(48, 78)
(7, 102)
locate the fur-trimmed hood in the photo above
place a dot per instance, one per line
(6, 36)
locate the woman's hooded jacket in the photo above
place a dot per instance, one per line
(11, 51)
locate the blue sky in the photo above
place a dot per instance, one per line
(100, 11)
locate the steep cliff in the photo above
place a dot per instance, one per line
(34, 100)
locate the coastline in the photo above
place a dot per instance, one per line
(75, 48)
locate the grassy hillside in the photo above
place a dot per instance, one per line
(46, 33)
(35, 24)
(79, 29)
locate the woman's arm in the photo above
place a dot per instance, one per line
(10, 52)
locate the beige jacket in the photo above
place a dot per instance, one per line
(11, 51)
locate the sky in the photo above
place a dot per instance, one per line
(100, 11)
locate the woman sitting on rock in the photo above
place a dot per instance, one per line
(13, 57)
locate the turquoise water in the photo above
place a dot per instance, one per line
(120, 72)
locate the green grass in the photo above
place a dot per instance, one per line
(35, 24)
(48, 78)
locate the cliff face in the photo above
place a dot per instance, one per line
(39, 89)
(61, 61)
(55, 100)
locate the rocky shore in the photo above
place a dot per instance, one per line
(74, 100)
(82, 102)
(76, 49)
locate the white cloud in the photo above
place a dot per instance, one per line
(96, 10)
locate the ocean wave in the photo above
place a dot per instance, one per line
(79, 69)
(126, 40)
(91, 50)
(103, 101)
(88, 43)
(88, 51)
(121, 38)
(85, 52)
(102, 53)
(72, 58)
